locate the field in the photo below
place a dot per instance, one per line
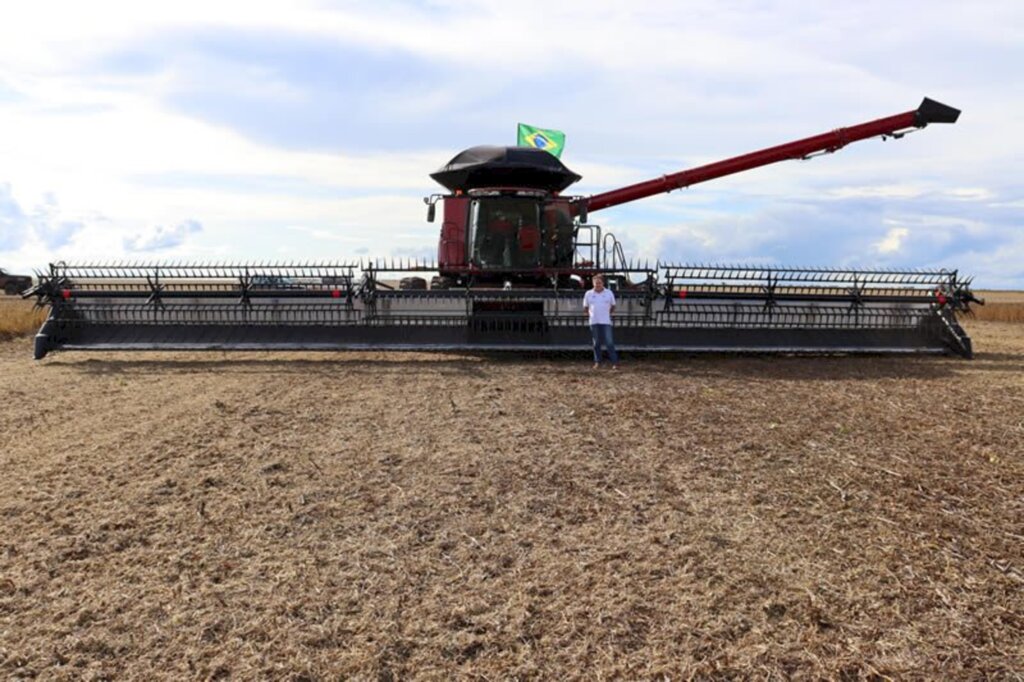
(372, 516)
(18, 318)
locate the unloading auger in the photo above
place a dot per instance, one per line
(513, 256)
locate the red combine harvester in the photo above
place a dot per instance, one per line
(513, 256)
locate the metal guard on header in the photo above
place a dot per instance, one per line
(688, 308)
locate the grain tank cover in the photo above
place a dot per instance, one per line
(487, 166)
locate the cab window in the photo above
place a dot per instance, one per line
(505, 232)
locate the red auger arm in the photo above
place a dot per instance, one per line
(930, 111)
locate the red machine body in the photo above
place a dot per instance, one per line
(451, 250)
(533, 240)
(506, 212)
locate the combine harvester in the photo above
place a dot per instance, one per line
(513, 257)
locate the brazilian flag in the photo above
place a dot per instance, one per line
(552, 141)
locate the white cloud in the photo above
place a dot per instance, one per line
(13, 221)
(45, 224)
(893, 241)
(163, 238)
(970, 193)
(879, 191)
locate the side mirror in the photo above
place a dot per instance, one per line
(582, 212)
(431, 212)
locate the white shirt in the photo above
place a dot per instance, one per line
(599, 306)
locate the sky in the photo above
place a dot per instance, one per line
(306, 131)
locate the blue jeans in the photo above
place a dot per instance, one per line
(602, 334)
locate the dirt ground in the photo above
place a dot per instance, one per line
(371, 516)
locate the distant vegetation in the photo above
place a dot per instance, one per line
(1000, 312)
(18, 318)
(1001, 306)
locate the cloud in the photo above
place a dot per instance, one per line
(420, 254)
(893, 240)
(931, 231)
(47, 225)
(13, 221)
(162, 238)
(43, 223)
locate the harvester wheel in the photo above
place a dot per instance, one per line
(617, 282)
(412, 283)
(571, 283)
(441, 283)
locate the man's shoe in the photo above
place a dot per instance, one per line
(597, 365)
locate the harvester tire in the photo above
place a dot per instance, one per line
(571, 283)
(441, 283)
(412, 283)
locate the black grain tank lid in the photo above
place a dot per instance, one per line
(487, 166)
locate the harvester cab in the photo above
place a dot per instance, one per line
(504, 220)
(506, 232)
(513, 252)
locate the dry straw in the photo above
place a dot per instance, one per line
(369, 516)
(18, 318)
(1000, 312)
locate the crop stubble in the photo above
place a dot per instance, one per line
(385, 516)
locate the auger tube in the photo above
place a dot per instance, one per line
(930, 111)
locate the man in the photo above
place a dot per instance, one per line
(500, 233)
(599, 304)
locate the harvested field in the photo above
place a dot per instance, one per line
(389, 516)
